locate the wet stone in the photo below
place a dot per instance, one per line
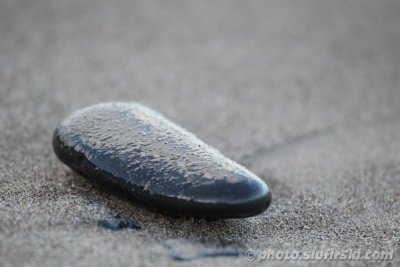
(136, 152)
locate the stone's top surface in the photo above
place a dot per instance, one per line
(132, 141)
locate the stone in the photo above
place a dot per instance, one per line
(116, 223)
(136, 152)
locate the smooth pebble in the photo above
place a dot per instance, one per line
(135, 151)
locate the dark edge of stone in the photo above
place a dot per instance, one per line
(155, 202)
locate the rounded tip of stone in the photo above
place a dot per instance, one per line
(222, 201)
(255, 201)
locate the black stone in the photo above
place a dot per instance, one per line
(116, 223)
(131, 149)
